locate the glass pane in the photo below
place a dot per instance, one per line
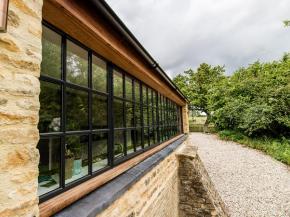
(128, 88)
(144, 93)
(76, 157)
(99, 74)
(99, 112)
(130, 139)
(129, 114)
(50, 107)
(145, 116)
(118, 84)
(49, 165)
(138, 140)
(137, 91)
(118, 114)
(146, 137)
(149, 97)
(99, 149)
(138, 115)
(119, 143)
(151, 136)
(76, 64)
(51, 53)
(76, 109)
(150, 116)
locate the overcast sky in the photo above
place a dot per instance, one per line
(181, 34)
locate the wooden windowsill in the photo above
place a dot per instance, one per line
(63, 200)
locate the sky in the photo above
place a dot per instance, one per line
(181, 34)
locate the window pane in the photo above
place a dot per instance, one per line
(99, 149)
(130, 139)
(51, 53)
(145, 116)
(49, 165)
(99, 74)
(146, 137)
(138, 140)
(76, 64)
(50, 107)
(144, 93)
(118, 114)
(118, 143)
(137, 91)
(151, 136)
(99, 112)
(76, 109)
(118, 84)
(129, 114)
(128, 88)
(138, 115)
(76, 158)
(149, 97)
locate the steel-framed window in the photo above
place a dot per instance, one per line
(93, 114)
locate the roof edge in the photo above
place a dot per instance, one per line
(103, 6)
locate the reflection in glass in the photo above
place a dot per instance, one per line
(118, 114)
(137, 91)
(138, 139)
(76, 109)
(129, 114)
(76, 64)
(144, 94)
(151, 136)
(145, 116)
(138, 116)
(146, 137)
(118, 84)
(76, 157)
(51, 53)
(99, 112)
(99, 74)
(119, 143)
(50, 107)
(49, 165)
(128, 88)
(99, 151)
(130, 139)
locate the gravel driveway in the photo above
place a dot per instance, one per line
(250, 183)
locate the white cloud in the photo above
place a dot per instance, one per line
(183, 34)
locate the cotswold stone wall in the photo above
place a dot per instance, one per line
(155, 195)
(178, 186)
(20, 57)
(185, 119)
(197, 195)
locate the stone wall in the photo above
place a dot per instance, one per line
(155, 195)
(197, 195)
(20, 57)
(185, 120)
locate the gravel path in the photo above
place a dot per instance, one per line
(250, 183)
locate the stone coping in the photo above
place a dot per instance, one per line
(95, 202)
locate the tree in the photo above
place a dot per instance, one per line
(286, 23)
(197, 86)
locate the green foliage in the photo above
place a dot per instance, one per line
(286, 23)
(277, 148)
(255, 100)
(197, 85)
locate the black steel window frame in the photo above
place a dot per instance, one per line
(159, 122)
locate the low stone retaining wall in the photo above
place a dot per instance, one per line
(197, 195)
(179, 186)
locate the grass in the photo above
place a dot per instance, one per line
(278, 148)
(196, 124)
